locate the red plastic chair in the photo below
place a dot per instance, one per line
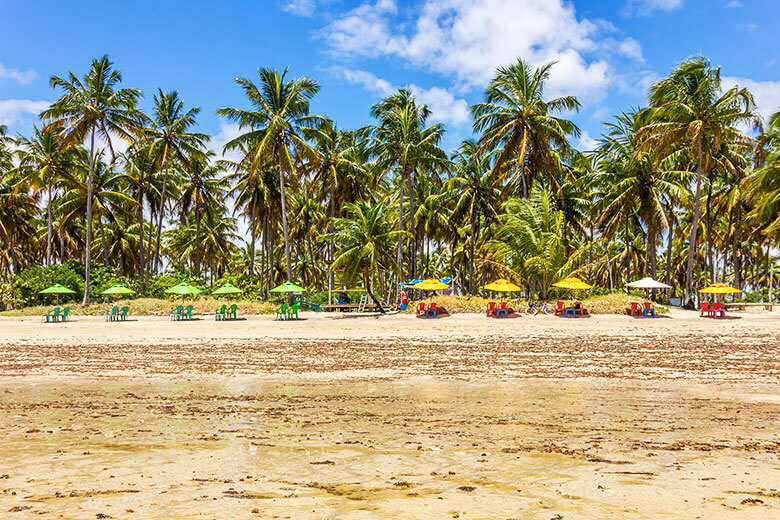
(560, 308)
(431, 308)
(491, 308)
(635, 308)
(502, 309)
(718, 309)
(705, 309)
(420, 309)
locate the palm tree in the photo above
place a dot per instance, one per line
(473, 192)
(402, 141)
(690, 111)
(278, 126)
(170, 139)
(364, 239)
(516, 120)
(203, 191)
(42, 164)
(94, 105)
(632, 181)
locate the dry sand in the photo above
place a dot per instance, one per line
(340, 416)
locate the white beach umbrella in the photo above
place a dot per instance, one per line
(648, 283)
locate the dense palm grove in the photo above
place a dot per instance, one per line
(686, 190)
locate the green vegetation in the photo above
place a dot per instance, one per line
(674, 190)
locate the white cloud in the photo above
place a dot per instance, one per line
(22, 76)
(468, 40)
(766, 93)
(646, 7)
(587, 143)
(748, 27)
(17, 111)
(734, 4)
(443, 105)
(227, 132)
(300, 7)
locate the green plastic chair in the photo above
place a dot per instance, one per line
(64, 315)
(220, 313)
(52, 315)
(123, 313)
(281, 312)
(176, 313)
(111, 315)
(231, 315)
(188, 312)
(293, 311)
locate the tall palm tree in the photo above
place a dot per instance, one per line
(94, 105)
(690, 111)
(516, 120)
(43, 163)
(170, 139)
(402, 141)
(277, 129)
(364, 239)
(203, 191)
(473, 192)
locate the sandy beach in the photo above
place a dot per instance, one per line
(358, 417)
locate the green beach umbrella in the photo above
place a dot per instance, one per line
(288, 287)
(228, 288)
(57, 289)
(183, 289)
(118, 290)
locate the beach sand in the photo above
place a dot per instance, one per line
(363, 417)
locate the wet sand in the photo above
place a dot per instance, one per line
(392, 417)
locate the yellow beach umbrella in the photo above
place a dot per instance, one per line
(502, 286)
(431, 284)
(719, 288)
(572, 283)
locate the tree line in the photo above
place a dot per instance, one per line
(685, 189)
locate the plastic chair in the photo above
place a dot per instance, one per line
(560, 308)
(491, 308)
(502, 309)
(122, 316)
(187, 312)
(232, 312)
(219, 314)
(649, 309)
(636, 308)
(718, 309)
(111, 315)
(281, 312)
(64, 315)
(431, 308)
(420, 309)
(176, 313)
(705, 309)
(52, 315)
(293, 311)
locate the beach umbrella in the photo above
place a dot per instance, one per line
(183, 289)
(431, 284)
(288, 287)
(57, 289)
(502, 286)
(719, 288)
(572, 284)
(228, 288)
(118, 290)
(647, 283)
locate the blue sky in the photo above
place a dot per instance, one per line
(446, 50)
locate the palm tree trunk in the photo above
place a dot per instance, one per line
(88, 244)
(49, 229)
(399, 251)
(103, 239)
(284, 226)
(157, 264)
(197, 241)
(331, 246)
(735, 251)
(710, 270)
(12, 251)
(669, 238)
(252, 239)
(689, 303)
(367, 282)
(472, 239)
(141, 251)
(413, 244)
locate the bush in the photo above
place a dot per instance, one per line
(25, 287)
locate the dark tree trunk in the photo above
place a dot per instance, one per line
(197, 241)
(252, 240)
(413, 243)
(399, 251)
(367, 282)
(141, 251)
(287, 252)
(157, 263)
(103, 239)
(49, 237)
(689, 294)
(88, 245)
(472, 239)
